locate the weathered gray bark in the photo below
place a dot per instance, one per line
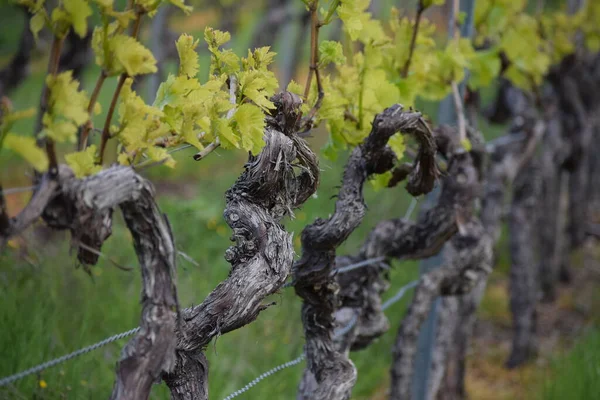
(509, 155)
(549, 215)
(402, 239)
(455, 325)
(575, 81)
(262, 257)
(594, 174)
(151, 351)
(84, 206)
(334, 374)
(467, 261)
(523, 275)
(579, 178)
(33, 210)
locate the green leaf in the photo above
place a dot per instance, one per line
(466, 144)
(484, 68)
(182, 6)
(224, 132)
(352, 14)
(215, 38)
(188, 58)
(260, 59)
(295, 87)
(37, 22)
(160, 154)
(258, 87)
(250, 122)
(331, 52)
(381, 181)
(131, 56)
(27, 148)
(67, 108)
(79, 11)
(83, 163)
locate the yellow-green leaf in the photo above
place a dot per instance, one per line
(132, 56)
(295, 87)
(466, 144)
(160, 154)
(250, 122)
(331, 52)
(188, 58)
(224, 132)
(182, 6)
(79, 11)
(83, 163)
(67, 107)
(27, 148)
(37, 22)
(381, 181)
(215, 38)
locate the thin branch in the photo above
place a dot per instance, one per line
(106, 131)
(314, 66)
(413, 39)
(207, 150)
(4, 219)
(33, 209)
(52, 71)
(88, 125)
(314, 50)
(455, 13)
(111, 110)
(460, 114)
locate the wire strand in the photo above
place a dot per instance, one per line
(34, 370)
(18, 189)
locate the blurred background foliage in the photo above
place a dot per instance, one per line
(49, 306)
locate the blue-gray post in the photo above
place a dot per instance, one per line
(446, 115)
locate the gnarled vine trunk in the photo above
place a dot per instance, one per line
(262, 257)
(330, 374)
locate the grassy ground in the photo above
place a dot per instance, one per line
(575, 374)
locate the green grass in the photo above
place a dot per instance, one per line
(576, 374)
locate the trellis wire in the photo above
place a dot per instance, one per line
(358, 265)
(12, 378)
(394, 299)
(350, 267)
(411, 208)
(18, 189)
(264, 375)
